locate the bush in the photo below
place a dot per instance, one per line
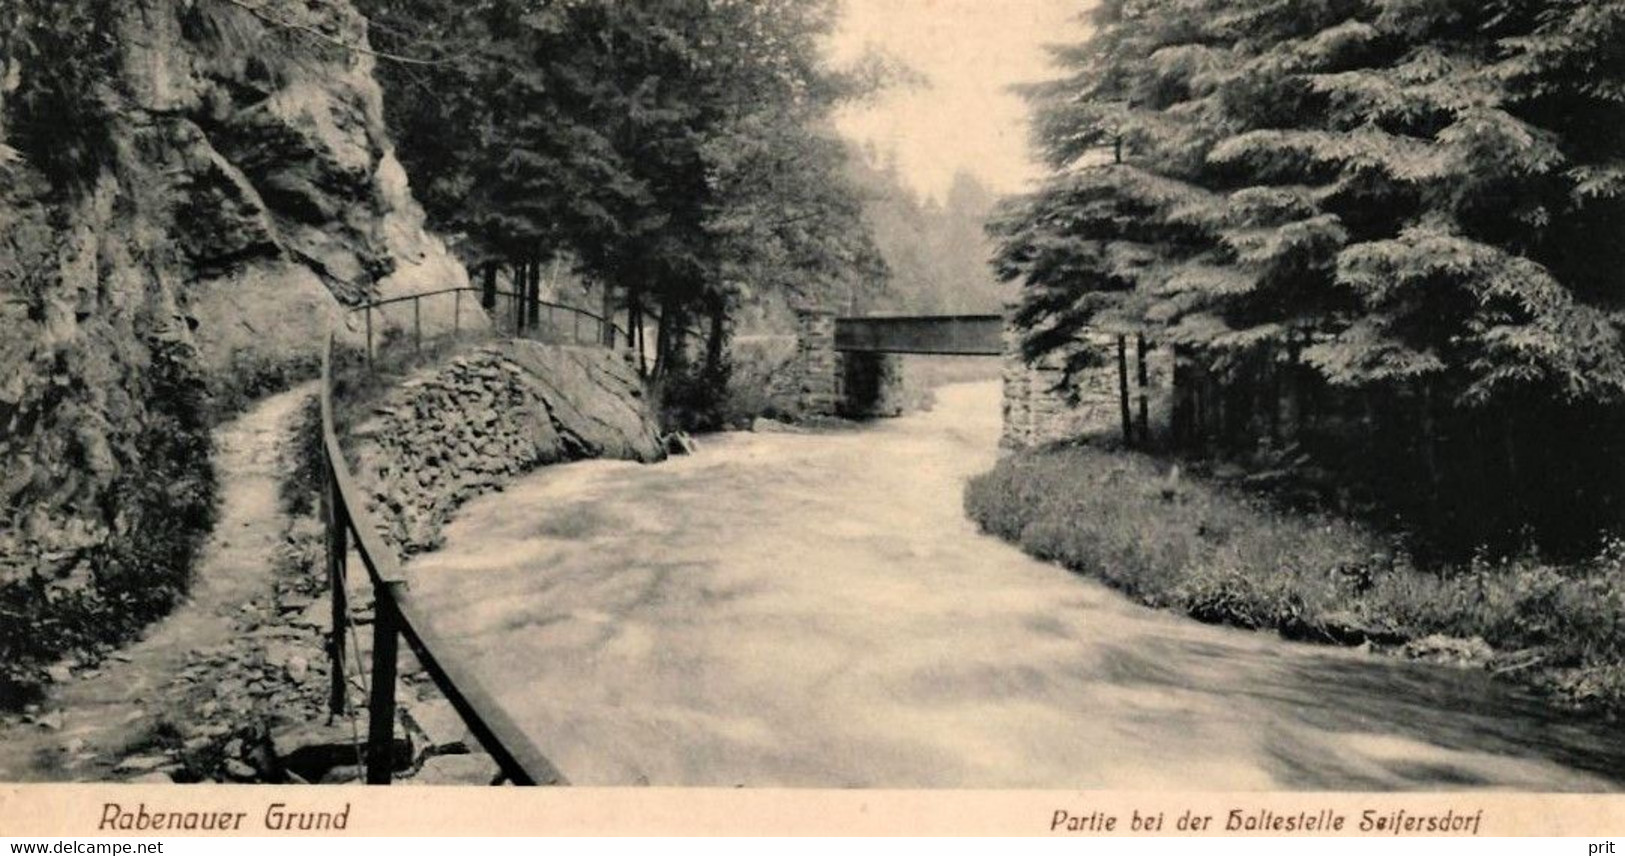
(1230, 558)
(166, 504)
(751, 382)
(303, 462)
(251, 377)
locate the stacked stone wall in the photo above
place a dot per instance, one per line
(464, 428)
(817, 365)
(1038, 411)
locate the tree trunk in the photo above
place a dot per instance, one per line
(1179, 419)
(607, 312)
(1144, 384)
(663, 339)
(1216, 406)
(1430, 453)
(516, 296)
(1509, 451)
(534, 294)
(1295, 380)
(635, 310)
(1272, 389)
(488, 287)
(1122, 391)
(716, 343)
(1198, 426)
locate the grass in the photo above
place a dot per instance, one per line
(358, 388)
(1226, 557)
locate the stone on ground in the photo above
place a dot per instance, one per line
(455, 770)
(441, 727)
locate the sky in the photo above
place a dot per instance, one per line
(971, 52)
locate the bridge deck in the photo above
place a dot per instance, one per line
(963, 335)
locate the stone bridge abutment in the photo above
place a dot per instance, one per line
(852, 367)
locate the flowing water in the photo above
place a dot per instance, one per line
(815, 610)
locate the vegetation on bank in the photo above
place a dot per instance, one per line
(1375, 228)
(1225, 556)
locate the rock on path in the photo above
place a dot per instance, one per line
(104, 716)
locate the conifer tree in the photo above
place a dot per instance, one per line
(1413, 194)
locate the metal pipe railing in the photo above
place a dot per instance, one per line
(351, 528)
(607, 329)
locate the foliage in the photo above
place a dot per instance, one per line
(56, 64)
(1228, 558)
(166, 506)
(303, 462)
(936, 252)
(1405, 198)
(251, 376)
(678, 150)
(693, 398)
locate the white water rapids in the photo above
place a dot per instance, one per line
(816, 610)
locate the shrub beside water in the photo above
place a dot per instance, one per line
(1225, 557)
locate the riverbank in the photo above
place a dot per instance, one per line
(1225, 557)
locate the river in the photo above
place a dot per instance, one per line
(815, 610)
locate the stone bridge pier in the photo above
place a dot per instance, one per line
(1037, 412)
(817, 364)
(853, 367)
(858, 385)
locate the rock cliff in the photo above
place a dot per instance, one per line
(189, 192)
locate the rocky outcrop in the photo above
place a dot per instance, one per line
(241, 191)
(461, 429)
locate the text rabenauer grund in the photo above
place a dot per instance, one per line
(276, 818)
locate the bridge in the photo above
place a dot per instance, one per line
(955, 335)
(850, 366)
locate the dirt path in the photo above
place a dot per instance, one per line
(89, 724)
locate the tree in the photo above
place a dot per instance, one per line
(935, 253)
(676, 149)
(1405, 195)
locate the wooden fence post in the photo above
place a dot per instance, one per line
(417, 323)
(369, 335)
(381, 709)
(338, 548)
(456, 313)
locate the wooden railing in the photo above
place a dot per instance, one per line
(397, 616)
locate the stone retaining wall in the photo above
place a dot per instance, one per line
(462, 428)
